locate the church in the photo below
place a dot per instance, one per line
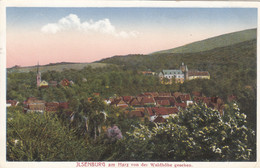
(181, 75)
(40, 83)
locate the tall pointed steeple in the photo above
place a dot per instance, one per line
(185, 70)
(38, 76)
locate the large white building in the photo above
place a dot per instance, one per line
(182, 74)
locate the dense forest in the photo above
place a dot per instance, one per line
(198, 133)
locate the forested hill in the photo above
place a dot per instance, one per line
(241, 55)
(214, 42)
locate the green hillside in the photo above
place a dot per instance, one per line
(57, 67)
(214, 42)
(238, 55)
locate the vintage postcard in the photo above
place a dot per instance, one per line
(128, 84)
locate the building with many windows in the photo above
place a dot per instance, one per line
(182, 74)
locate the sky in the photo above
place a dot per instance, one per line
(49, 35)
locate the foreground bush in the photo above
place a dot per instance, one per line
(196, 134)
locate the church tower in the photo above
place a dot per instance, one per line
(38, 76)
(185, 70)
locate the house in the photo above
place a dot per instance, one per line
(148, 101)
(181, 105)
(65, 82)
(184, 98)
(213, 102)
(53, 83)
(134, 102)
(198, 75)
(159, 119)
(10, 103)
(32, 104)
(52, 106)
(163, 101)
(44, 84)
(164, 112)
(119, 103)
(151, 113)
(139, 113)
(147, 72)
(127, 99)
(217, 103)
(64, 105)
(176, 94)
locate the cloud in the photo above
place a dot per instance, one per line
(72, 23)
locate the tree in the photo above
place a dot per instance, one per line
(196, 134)
(40, 137)
(93, 111)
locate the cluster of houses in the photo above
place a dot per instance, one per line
(156, 106)
(44, 84)
(153, 106)
(182, 74)
(32, 104)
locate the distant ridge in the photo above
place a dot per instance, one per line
(214, 42)
(56, 67)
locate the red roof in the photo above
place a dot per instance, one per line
(134, 102)
(150, 111)
(64, 105)
(52, 106)
(185, 97)
(119, 102)
(164, 94)
(139, 98)
(146, 72)
(171, 99)
(182, 105)
(12, 102)
(148, 101)
(161, 111)
(127, 99)
(163, 102)
(159, 119)
(65, 82)
(173, 110)
(177, 94)
(153, 94)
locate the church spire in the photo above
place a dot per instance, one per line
(38, 76)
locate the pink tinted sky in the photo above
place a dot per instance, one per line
(74, 38)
